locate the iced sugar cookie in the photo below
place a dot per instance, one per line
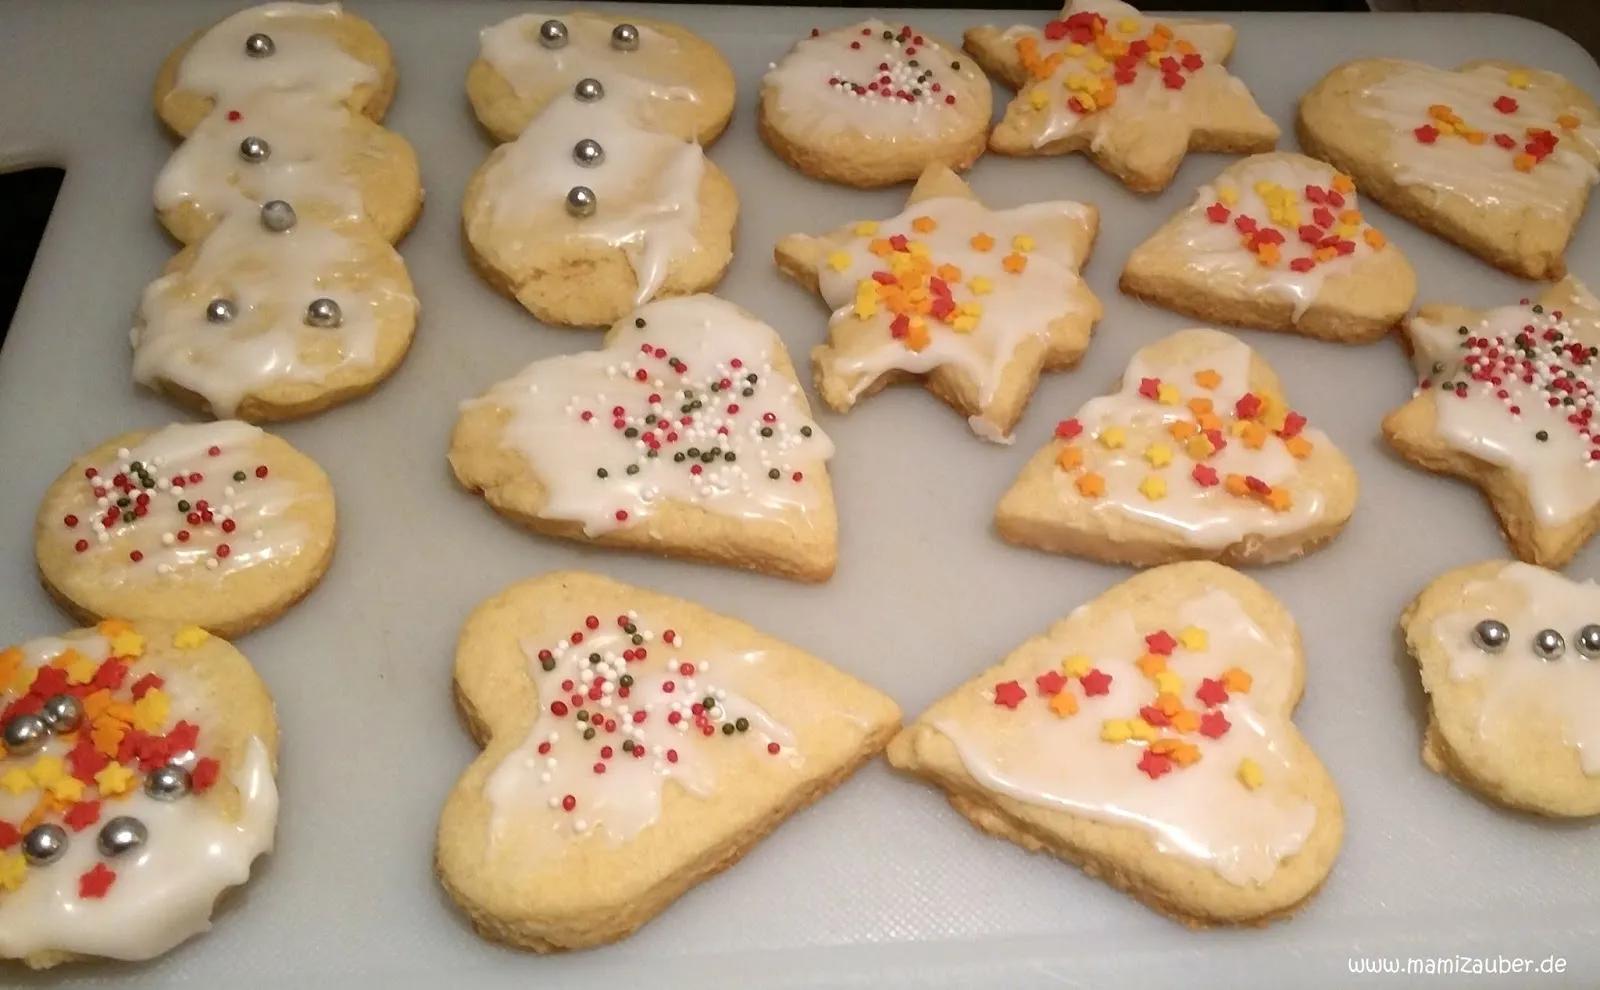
(635, 745)
(1510, 659)
(136, 786)
(1135, 93)
(677, 81)
(319, 49)
(1277, 241)
(219, 523)
(588, 215)
(685, 434)
(1147, 738)
(1495, 157)
(279, 312)
(1504, 399)
(975, 302)
(873, 104)
(293, 146)
(1197, 455)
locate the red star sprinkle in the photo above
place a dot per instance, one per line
(81, 815)
(145, 684)
(1427, 133)
(1506, 104)
(96, 882)
(183, 736)
(1095, 682)
(1155, 764)
(1292, 425)
(1068, 428)
(110, 675)
(86, 761)
(1217, 213)
(1009, 694)
(1050, 682)
(9, 836)
(1211, 692)
(1248, 406)
(204, 775)
(1154, 715)
(1214, 725)
(1150, 387)
(1204, 475)
(1161, 642)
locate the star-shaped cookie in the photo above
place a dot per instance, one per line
(1134, 92)
(973, 301)
(1506, 398)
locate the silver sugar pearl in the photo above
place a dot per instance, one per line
(324, 313)
(44, 844)
(121, 834)
(219, 311)
(625, 38)
(255, 150)
(277, 215)
(168, 783)
(588, 90)
(588, 153)
(259, 46)
(553, 34)
(1548, 644)
(62, 713)
(581, 201)
(1491, 635)
(25, 734)
(1589, 641)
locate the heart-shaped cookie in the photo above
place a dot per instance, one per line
(1197, 455)
(1147, 738)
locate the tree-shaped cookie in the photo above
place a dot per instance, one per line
(973, 301)
(1493, 156)
(1147, 738)
(1510, 660)
(136, 786)
(1136, 93)
(1505, 399)
(635, 744)
(685, 434)
(1277, 241)
(1197, 455)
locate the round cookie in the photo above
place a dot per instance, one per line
(686, 83)
(138, 789)
(239, 324)
(871, 105)
(659, 223)
(219, 524)
(291, 146)
(316, 48)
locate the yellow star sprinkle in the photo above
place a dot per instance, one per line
(1115, 730)
(189, 637)
(980, 285)
(22, 681)
(67, 789)
(127, 644)
(81, 669)
(13, 870)
(1076, 665)
(1153, 488)
(1517, 78)
(17, 781)
(115, 779)
(1227, 195)
(1112, 437)
(1167, 394)
(1022, 242)
(1193, 638)
(839, 260)
(1142, 730)
(1038, 98)
(47, 770)
(1168, 682)
(150, 712)
(1158, 454)
(1249, 773)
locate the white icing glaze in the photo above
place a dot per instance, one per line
(271, 278)
(656, 713)
(164, 891)
(548, 402)
(1560, 473)
(1483, 173)
(648, 189)
(306, 57)
(873, 90)
(311, 146)
(1019, 306)
(1517, 682)
(1200, 515)
(1201, 811)
(247, 517)
(654, 71)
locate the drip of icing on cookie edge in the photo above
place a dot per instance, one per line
(683, 405)
(649, 71)
(1516, 679)
(1278, 228)
(303, 58)
(187, 500)
(878, 82)
(625, 706)
(1518, 389)
(1186, 446)
(1181, 732)
(138, 903)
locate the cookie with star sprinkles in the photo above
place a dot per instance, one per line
(1505, 398)
(1197, 455)
(1277, 241)
(679, 83)
(974, 302)
(1147, 737)
(685, 434)
(635, 744)
(319, 49)
(873, 104)
(1495, 157)
(1510, 659)
(219, 524)
(136, 787)
(1134, 92)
